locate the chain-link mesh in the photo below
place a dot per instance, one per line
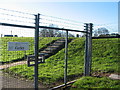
(52, 48)
(12, 58)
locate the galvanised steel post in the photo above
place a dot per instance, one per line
(90, 46)
(36, 51)
(66, 58)
(86, 62)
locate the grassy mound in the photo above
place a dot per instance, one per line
(94, 82)
(105, 55)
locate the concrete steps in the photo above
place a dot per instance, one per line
(53, 48)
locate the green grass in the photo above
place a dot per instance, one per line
(105, 52)
(94, 82)
(53, 69)
(105, 55)
(13, 55)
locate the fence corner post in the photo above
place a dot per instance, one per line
(90, 47)
(86, 63)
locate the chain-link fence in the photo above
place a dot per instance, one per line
(51, 44)
(16, 43)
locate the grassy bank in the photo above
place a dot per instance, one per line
(94, 82)
(13, 55)
(104, 60)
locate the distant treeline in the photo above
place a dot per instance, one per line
(113, 35)
(108, 35)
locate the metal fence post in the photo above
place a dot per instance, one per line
(36, 51)
(86, 62)
(88, 50)
(66, 58)
(90, 46)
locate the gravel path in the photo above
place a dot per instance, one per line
(11, 82)
(12, 64)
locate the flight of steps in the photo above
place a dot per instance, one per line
(48, 51)
(53, 48)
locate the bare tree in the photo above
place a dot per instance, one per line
(101, 31)
(52, 32)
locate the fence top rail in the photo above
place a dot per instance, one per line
(24, 26)
(15, 25)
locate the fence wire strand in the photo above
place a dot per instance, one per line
(17, 21)
(60, 18)
(17, 16)
(46, 20)
(16, 11)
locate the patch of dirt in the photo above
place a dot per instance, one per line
(101, 74)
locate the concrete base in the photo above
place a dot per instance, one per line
(114, 76)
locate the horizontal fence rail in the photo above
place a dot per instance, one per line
(24, 26)
(15, 25)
